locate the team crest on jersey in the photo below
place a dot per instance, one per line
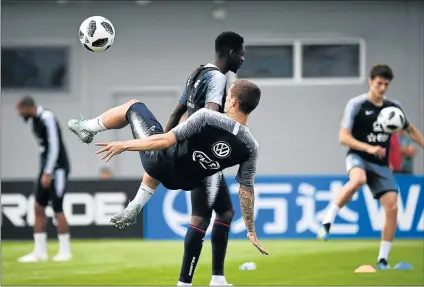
(205, 161)
(221, 149)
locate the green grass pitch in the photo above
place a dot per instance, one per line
(137, 262)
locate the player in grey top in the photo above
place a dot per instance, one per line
(182, 158)
(366, 160)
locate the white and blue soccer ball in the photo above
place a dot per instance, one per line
(391, 119)
(97, 34)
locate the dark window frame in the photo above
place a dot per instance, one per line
(298, 80)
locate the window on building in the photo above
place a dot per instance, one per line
(268, 62)
(36, 68)
(330, 61)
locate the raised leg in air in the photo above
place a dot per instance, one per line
(114, 118)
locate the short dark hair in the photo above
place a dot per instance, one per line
(248, 95)
(382, 71)
(227, 41)
(27, 101)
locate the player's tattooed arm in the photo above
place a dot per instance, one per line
(246, 178)
(415, 134)
(247, 205)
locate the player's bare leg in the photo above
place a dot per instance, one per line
(114, 118)
(64, 253)
(129, 215)
(40, 237)
(389, 201)
(357, 178)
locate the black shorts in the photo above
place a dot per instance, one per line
(212, 195)
(55, 193)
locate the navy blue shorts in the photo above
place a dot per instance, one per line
(144, 124)
(158, 164)
(142, 121)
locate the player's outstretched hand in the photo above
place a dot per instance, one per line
(377, 151)
(252, 237)
(110, 149)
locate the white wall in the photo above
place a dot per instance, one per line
(160, 44)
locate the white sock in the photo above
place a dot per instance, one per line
(40, 243)
(384, 250)
(64, 243)
(95, 125)
(331, 214)
(143, 195)
(218, 279)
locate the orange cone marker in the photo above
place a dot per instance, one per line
(365, 269)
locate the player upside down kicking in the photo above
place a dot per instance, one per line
(182, 158)
(206, 87)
